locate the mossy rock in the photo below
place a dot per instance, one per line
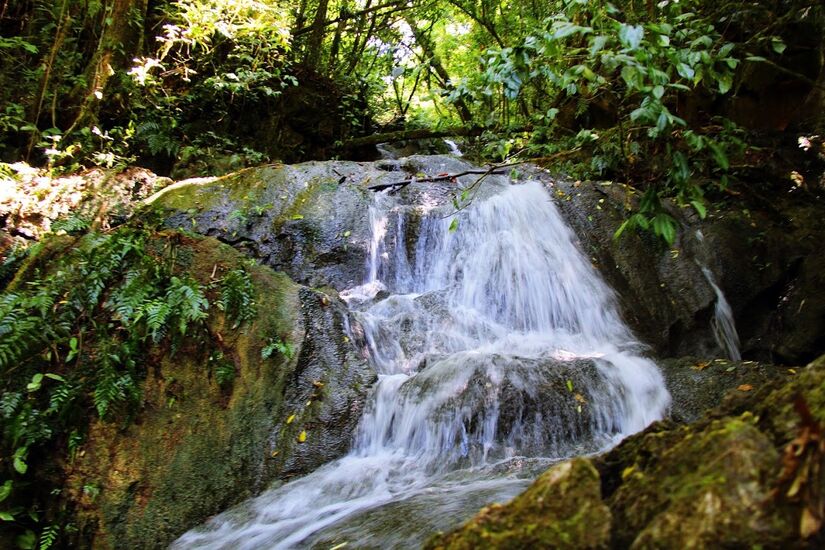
(561, 509)
(200, 444)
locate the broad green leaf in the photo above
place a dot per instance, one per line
(725, 83)
(453, 225)
(631, 35)
(6, 516)
(665, 227)
(5, 490)
(685, 71)
(35, 384)
(658, 92)
(700, 209)
(778, 45)
(719, 155)
(597, 44)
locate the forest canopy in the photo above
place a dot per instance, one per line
(677, 97)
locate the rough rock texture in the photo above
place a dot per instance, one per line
(697, 386)
(198, 447)
(309, 220)
(765, 256)
(748, 474)
(561, 509)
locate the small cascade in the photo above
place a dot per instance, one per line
(454, 150)
(723, 325)
(498, 349)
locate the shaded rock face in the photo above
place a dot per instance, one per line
(697, 385)
(197, 446)
(749, 474)
(764, 255)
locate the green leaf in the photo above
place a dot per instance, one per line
(569, 385)
(631, 35)
(778, 45)
(597, 44)
(700, 209)
(453, 225)
(19, 460)
(719, 155)
(5, 490)
(725, 83)
(658, 92)
(26, 541)
(627, 223)
(685, 71)
(35, 384)
(665, 227)
(6, 516)
(55, 377)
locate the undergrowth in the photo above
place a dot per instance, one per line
(75, 342)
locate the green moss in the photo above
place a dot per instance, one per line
(195, 449)
(561, 509)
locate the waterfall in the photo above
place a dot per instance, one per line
(723, 325)
(498, 351)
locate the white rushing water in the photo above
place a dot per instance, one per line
(498, 349)
(723, 325)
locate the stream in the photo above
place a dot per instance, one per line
(499, 351)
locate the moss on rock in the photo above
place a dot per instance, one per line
(561, 509)
(200, 444)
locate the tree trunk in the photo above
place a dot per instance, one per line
(120, 41)
(422, 38)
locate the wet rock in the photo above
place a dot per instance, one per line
(309, 220)
(699, 385)
(561, 509)
(764, 254)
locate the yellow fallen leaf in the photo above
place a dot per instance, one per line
(791, 371)
(745, 387)
(701, 366)
(290, 419)
(302, 436)
(318, 384)
(580, 398)
(275, 453)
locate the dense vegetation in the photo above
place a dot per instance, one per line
(672, 96)
(78, 337)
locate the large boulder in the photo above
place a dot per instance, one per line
(561, 509)
(200, 443)
(764, 255)
(310, 220)
(750, 473)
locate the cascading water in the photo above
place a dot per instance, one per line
(498, 349)
(723, 325)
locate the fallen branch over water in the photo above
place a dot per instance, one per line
(497, 169)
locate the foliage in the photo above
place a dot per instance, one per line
(75, 343)
(237, 296)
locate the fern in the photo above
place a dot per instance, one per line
(48, 536)
(72, 225)
(156, 313)
(9, 403)
(186, 298)
(237, 297)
